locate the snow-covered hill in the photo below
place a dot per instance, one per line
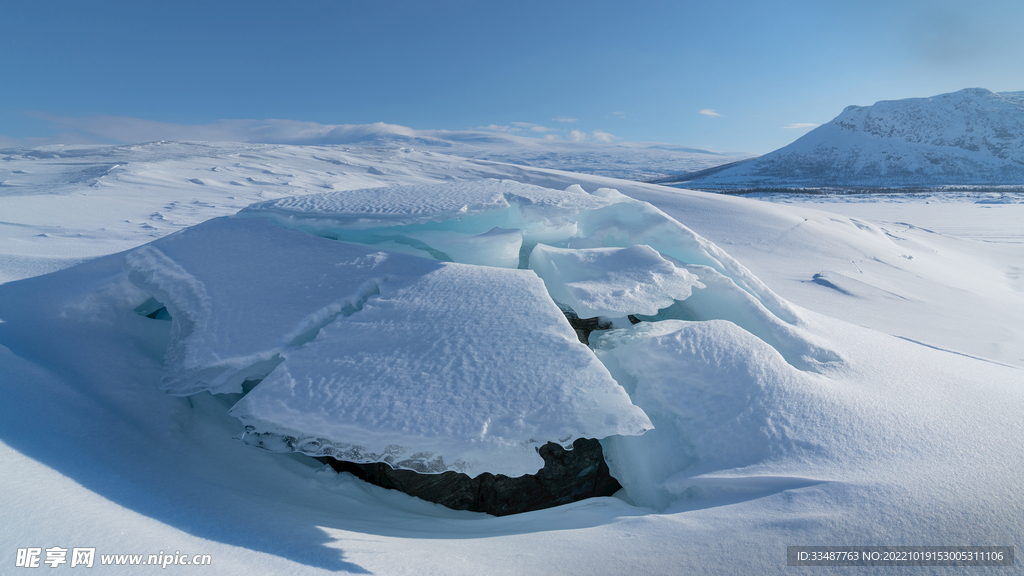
(643, 161)
(588, 153)
(973, 137)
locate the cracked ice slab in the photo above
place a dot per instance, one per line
(482, 222)
(487, 222)
(474, 222)
(469, 203)
(612, 282)
(627, 222)
(376, 356)
(465, 368)
(242, 293)
(720, 399)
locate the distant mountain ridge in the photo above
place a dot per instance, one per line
(973, 137)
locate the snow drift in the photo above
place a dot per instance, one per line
(407, 357)
(375, 356)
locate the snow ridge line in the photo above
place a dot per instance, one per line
(310, 326)
(189, 306)
(164, 279)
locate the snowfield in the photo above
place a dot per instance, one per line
(801, 373)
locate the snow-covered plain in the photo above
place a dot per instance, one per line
(832, 379)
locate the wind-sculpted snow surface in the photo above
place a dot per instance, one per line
(485, 214)
(628, 222)
(637, 281)
(612, 282)
(468, 206)
(717, 398)
(570, 218)
(467, 368)
(427, 366)
(483, 222)
(405, 357)
(241, 293)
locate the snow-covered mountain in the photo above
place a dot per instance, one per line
(973, 137)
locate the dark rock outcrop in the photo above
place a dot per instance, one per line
(567, 476)
(584, 326)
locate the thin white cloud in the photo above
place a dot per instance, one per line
(619, 114)
(120, 129)
(564, 119)
(800, 126)
(133, 130)
(69, 138)
(709, 112)
(496, 128)
(596, 136)
(533, 127)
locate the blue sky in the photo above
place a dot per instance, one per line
(746, 76)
